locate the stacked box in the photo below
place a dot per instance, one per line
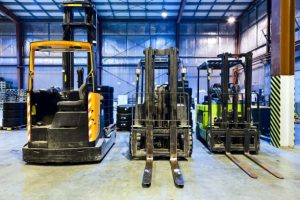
(12, 107)
(107, 103)
(124, 117)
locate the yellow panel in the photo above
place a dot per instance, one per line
(73, 5)
(94, 115)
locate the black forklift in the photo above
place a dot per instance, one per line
(68, 125)
(161, 124)
(224, 120)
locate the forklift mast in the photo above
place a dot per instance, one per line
(150, 81)
(161, 126)
(70, 23)
(225, 84)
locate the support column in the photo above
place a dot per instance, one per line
(99, 63)
(20, 66)
(282, 71)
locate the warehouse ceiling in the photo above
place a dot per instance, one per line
(133, 9)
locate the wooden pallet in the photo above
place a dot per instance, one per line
(13, 128)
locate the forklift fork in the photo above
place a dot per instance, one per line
(177, 175)
(147, 177)
(265, 166)
(243, 166)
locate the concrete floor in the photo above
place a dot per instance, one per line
(207, 176)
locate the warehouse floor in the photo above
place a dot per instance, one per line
(207, 176)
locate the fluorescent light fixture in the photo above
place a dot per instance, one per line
(231, 20)
(164, 13)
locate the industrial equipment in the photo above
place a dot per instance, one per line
(88, 25)
(161, 120)
(124, 117)
(65, 126)
(161, 66)
(224, 121)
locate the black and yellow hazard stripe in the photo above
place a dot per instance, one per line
(275, 110)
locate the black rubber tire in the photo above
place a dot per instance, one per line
(14, 113)
(12, 122)
(14, 106)
(124, 125)
(124, 117)
(124, 109)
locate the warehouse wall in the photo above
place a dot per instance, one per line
(48, 65)
(123, 45)
(8, 52)
(124, 42)
(253, 37)
(122, 48)
(203, 41)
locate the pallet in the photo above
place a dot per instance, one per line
(13, 128)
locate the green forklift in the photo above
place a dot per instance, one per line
(224, 119)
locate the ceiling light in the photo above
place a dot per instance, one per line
(231, 20)
(164, 13)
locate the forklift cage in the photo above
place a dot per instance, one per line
(59, 46)
(183, 116)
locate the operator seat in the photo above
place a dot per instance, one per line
(79, 105)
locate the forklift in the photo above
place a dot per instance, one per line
(67, 126)
(224, 120)
(161, 126)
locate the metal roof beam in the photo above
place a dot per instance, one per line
(157, 11)
(140, 4)
(181, 9)
(9, 14)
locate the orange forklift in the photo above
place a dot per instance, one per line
(66, 126)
